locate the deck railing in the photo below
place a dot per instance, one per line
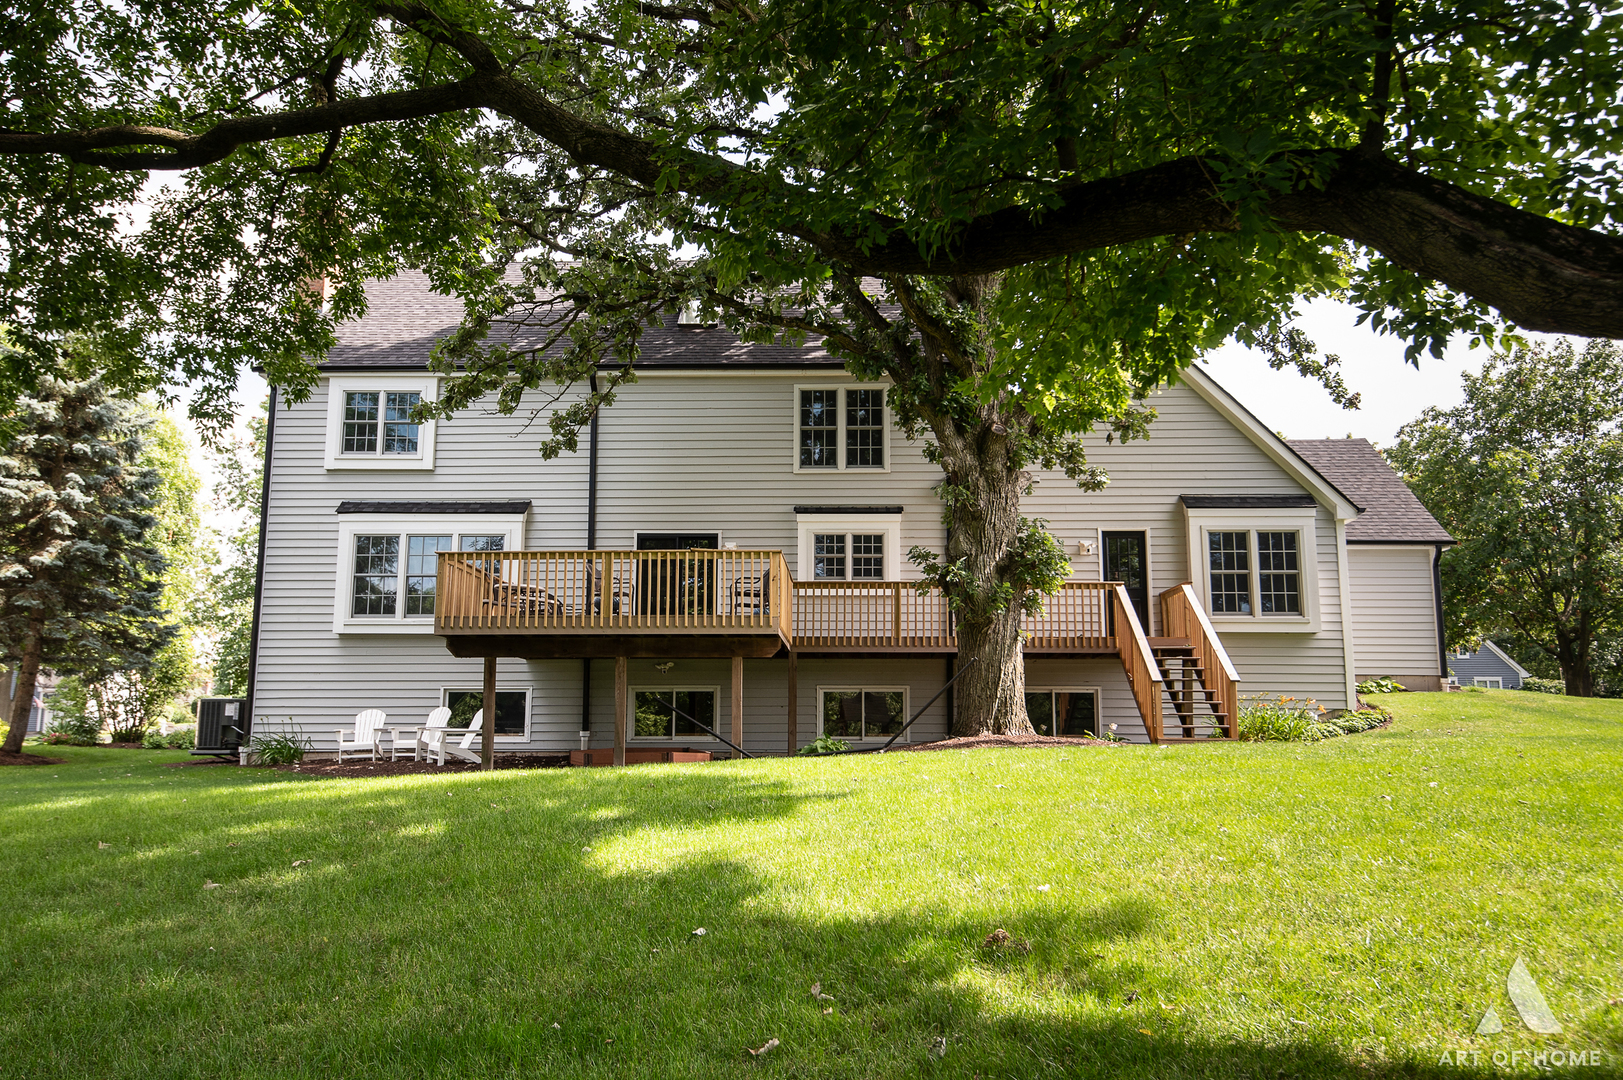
(694, 591)
(896, 616)
(1143, 672)
(703, 591)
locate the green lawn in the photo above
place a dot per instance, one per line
(1347, 907)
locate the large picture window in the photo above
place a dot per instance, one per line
(388, 565)
(840, 427)
(859, 713)
(512, 710)
(673, 712)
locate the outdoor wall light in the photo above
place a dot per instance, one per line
(665, 668)
(1084, 547)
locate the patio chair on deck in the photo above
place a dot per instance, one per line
(367, 734)
(436, 741)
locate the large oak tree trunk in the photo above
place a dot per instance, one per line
(22, 701)
(990, 697)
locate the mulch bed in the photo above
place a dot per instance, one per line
(7, 758)
(409, 768)
(1024, 742)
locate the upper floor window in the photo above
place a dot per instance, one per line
(370, 426)
(363, 422)
(840, 427)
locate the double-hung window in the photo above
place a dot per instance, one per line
(840, 428)
(858, 713)
(843, 556)
(1254, 572)
(370, 423)
(379, 421)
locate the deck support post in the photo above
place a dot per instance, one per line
(487, 737)
(620, 704)
(738, 700)
(794, 702)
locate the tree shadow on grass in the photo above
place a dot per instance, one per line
(476, 927)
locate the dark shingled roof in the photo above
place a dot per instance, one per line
(420, 506)
(1392, 514)
(405, 317)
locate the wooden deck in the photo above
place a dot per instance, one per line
(539, 604)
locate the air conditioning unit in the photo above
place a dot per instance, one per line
(222, 726)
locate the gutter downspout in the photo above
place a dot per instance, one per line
(591, 544)
(259, 567)
(1437, 595)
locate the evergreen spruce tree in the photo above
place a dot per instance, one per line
(80, 582)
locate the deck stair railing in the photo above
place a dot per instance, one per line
(1202, 685)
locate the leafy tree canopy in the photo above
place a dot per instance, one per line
(1150, 178)
(1528, 475)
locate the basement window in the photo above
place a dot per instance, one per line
(859, 713)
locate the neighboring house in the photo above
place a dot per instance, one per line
(1394, 550)
(1488, 666)
(730, 545)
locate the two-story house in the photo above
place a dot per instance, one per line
(729, 546)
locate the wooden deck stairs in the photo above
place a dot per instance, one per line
(1198, 686)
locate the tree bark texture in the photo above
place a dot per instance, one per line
(22, 701)
(984, 513)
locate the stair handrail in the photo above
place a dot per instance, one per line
(1179, 604)
(1142, 670)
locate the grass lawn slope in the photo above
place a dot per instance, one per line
(1350, 907)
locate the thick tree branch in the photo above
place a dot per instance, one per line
(1541, 274)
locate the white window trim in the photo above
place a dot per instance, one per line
(1304, 523)
(807, 525)
(669, 740)
(845, 688)
(337, 387)
(839, 429)
(511, 526)
(529, 707)
(1488, 682)
(1097, 692)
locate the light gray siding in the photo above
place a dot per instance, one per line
(1194, 449)
(714, 452)
(1394, 611)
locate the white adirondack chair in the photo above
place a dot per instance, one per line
(436, 742)
(414, 737)
(365, 737)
